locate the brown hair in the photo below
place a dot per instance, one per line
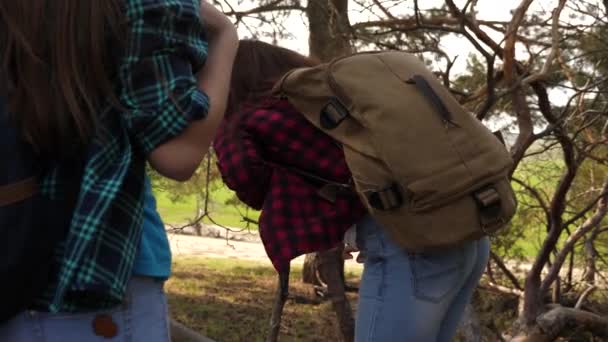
(257, 67)
(56, 63)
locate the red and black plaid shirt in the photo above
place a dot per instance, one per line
(295, 219)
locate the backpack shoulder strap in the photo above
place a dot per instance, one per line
(17, 192)
(326, 188)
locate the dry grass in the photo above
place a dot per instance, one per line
(229, 300)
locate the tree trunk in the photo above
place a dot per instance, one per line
(556, 295)
(330, 31)
(279, 305)
(532, 302)
(198, 228)
(310, 274)
(330, 37)
(590, 257)
(330, 268)
(325, 271)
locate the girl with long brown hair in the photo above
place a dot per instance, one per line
(98, 89)
(278, 162)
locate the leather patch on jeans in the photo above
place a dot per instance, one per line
(104, 326)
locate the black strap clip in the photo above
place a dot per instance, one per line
(389, 198)
(490, 207)
(333, 114)
(331, 191)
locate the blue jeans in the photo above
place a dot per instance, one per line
(143, 317)
(414, 297)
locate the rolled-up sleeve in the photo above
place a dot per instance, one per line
(166, 47)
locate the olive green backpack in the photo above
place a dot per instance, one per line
(425, 168)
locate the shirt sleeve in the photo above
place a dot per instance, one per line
(166, 46)
(242, 167)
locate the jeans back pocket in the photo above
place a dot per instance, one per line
(435, 275)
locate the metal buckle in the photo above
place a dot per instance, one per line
(490, 208)
(333, 114)
(389, 198)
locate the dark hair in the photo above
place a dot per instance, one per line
(55, 66)
(257, 67)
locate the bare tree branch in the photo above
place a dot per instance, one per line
(511, 39)
(537, 196)
(584, 295)
(498, 261)
(501, 289)
(555, 34)
(384, 10)
(592, 222)
(273, 6)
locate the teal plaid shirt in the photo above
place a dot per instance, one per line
(158, 91)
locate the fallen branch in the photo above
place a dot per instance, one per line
(561, 319)
(181, 333)
(581, 300)
(501, 289)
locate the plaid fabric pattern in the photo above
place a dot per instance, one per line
(159, 95)
(257, 156)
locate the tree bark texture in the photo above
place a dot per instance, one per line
(330, 37)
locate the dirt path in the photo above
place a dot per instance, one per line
(188, 245)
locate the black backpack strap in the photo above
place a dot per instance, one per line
(327, 189)
(427, 91)
(17, 192)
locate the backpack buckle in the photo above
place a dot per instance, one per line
(330, 191)
(490, 208)
(333, 113)
(386, 199)
(487, 197)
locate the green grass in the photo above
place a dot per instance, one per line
(231, 300)
(175, 212)
(184, 209)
